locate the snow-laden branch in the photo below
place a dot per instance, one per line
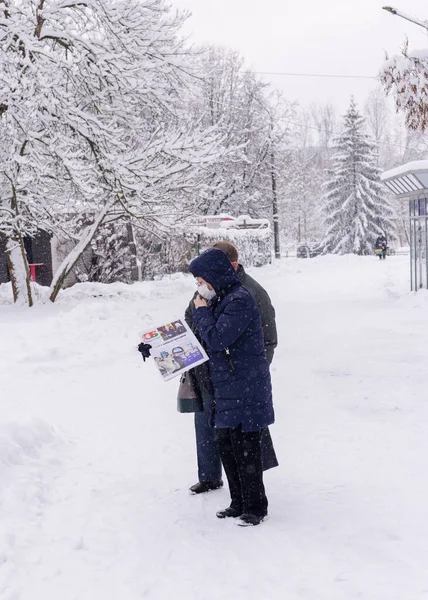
(405, 77)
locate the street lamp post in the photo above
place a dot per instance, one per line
(398, 13)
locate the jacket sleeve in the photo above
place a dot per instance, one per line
(267, 313)
(220, 334)
(189, 312)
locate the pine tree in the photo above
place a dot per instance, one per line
(356, 209)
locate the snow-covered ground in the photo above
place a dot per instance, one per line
(95, 462)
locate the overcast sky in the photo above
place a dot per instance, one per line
(309, 36)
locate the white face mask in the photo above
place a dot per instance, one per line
(205, 292)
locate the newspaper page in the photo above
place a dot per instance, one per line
(175, 348)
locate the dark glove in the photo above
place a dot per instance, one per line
(144, 349)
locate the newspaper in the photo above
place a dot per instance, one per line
(175, 348)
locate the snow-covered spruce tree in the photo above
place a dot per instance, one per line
(356, 209)
(89, 91)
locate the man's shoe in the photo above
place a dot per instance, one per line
(229, 512)
(250, 520)
(205, 486)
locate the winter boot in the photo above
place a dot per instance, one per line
(229, 512)
(250, 520)
(205, 486)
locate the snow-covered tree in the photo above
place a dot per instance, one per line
(377, 121)
(356, 209)
(301, 200)
(304, 173)
(323, 125)
(89, 102)
(231, 98)
(111, 256)
(406, 78)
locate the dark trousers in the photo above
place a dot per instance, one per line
(209, 462)
(242, 461)
(207, 446)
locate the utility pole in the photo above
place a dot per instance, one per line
(398, 13)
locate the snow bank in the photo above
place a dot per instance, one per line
(124, 291)
(21, 442)
(6, 296)
(40, 293)
(86, 291)
(29, 460)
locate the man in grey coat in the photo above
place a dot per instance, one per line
(209, 463)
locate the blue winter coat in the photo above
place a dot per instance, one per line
(232, 331)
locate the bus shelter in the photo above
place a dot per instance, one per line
(410, 183)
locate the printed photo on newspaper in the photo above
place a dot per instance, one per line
(175, 348)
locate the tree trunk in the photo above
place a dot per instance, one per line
(406, 233)
(19, 271)
(133, 252)
(72, 258)
(275, 208)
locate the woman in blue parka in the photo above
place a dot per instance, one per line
(228, 321)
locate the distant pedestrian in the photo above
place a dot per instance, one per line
(381, 246)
